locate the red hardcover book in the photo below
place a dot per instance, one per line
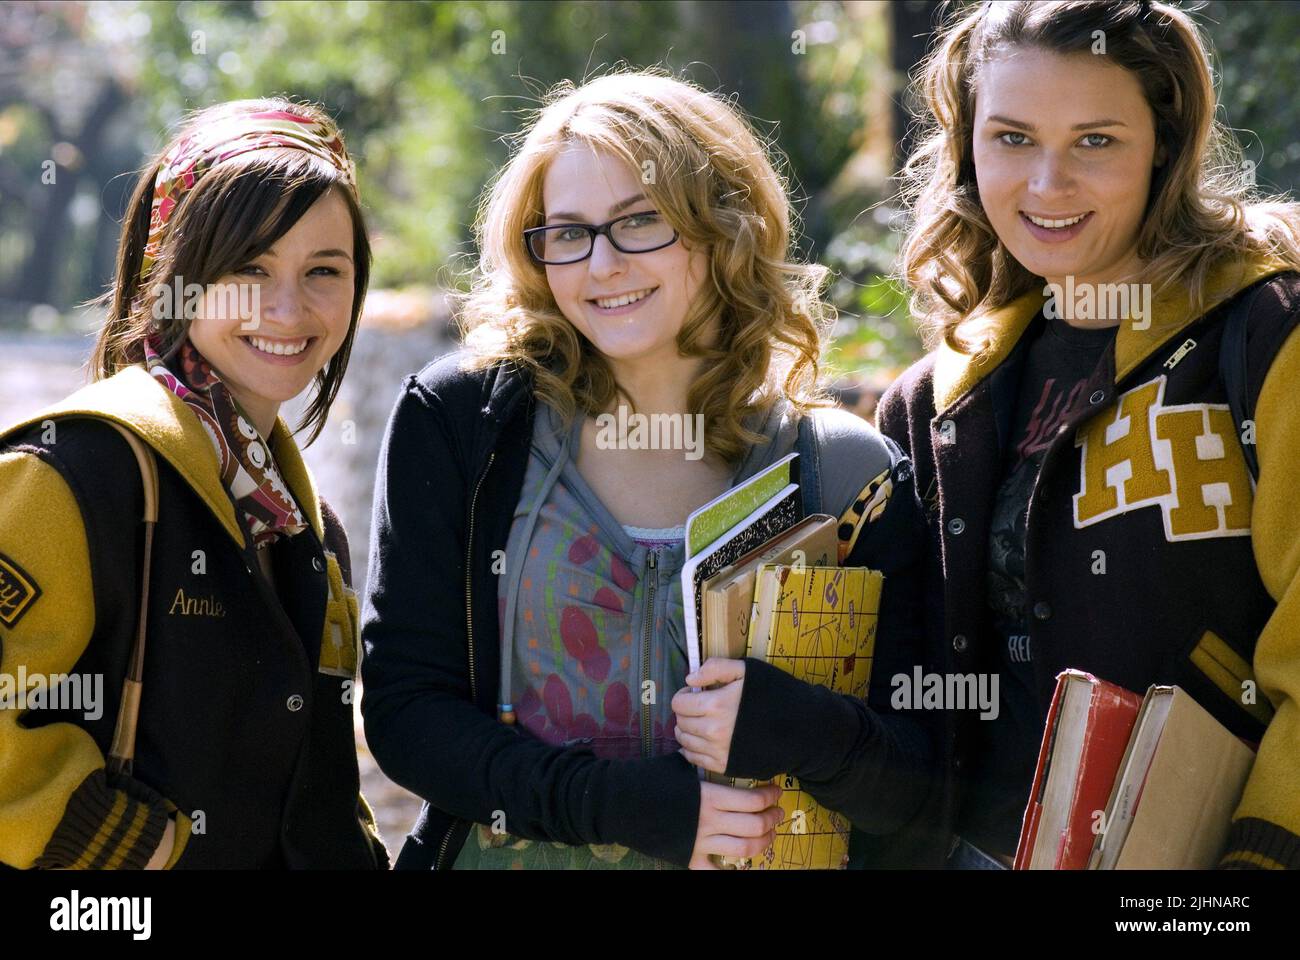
(1087, 731)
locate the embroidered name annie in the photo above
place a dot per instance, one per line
(196, 606)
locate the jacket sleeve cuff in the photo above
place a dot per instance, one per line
(1255, 844)
(652, 806)
(784, 725)
(108, 826)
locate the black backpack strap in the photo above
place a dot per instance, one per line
(810, 480)
(1233, 372)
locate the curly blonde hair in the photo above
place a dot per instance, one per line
(714, 182)
(1203, 208)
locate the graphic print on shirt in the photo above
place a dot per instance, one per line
(1053, 409)
(1006, 579)
(1182, 458)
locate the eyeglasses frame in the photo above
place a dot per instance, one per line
(593, 232)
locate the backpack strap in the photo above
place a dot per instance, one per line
(810, 481)
(1233, 371)
(121, 754)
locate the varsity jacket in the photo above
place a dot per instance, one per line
(449, 478)
(1150, 555)
(245, 729)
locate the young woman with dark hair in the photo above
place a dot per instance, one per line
(1082, 231)
(222, 631)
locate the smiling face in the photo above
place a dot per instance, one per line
(304, 285)
(1064, 147)
(631, 306)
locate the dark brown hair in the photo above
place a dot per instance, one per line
(236, 212)
(1203, 207)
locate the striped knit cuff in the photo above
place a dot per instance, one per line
(1255, 844)
(107, 826)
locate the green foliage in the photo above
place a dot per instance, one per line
(1258, 53)
(426, 93)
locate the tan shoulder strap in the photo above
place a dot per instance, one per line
(121, 754)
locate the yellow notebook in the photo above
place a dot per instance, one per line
(818, 624)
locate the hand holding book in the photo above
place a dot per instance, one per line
(735, 823)
(706, 719)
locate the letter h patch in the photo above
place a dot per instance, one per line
(1183, 459)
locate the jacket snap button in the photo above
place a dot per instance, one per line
(956, 526)
(948, 431)
(1043, 610)
(294, 703)
(1097, 397)
(318, 564)
(959, 643)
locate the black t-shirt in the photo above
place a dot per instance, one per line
(1060, 361)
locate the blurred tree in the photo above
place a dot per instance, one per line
(424, 92)
(57, 106)
(1257, 46)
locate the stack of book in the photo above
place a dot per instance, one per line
(762, 580)
(1128, 782)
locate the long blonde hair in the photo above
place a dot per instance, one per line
(709, 175)
(1203, 208)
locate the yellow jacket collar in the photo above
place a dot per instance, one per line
(137, 401)
(956, 374)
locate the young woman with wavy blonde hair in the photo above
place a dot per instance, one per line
(1103, 288)
(524, 621)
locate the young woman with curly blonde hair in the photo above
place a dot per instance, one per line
(524, 624)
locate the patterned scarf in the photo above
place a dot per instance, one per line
(247, 468)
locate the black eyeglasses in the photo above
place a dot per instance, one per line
(561, 243)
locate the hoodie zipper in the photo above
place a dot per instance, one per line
(469, 628)
(645, 652)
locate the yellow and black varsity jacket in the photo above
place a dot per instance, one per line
(1150, 555)
(245, 727)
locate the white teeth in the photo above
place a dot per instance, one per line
(278, 347)
(1054, 223)
(625, 299)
